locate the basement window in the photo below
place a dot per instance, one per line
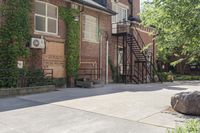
(46, 18)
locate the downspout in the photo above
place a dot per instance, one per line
(81, 21)
(100, 56)
(107, 55)
(100, 39)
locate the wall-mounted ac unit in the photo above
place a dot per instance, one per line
(37, 43)
(116, 1)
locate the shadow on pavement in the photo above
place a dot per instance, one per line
(8, 104)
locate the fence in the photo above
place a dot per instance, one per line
(90, 73)
(25, 78)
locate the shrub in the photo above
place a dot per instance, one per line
(186, 77)
(166, 76)
(115, 74)
(59, 82)
(37, 78)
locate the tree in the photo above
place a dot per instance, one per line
(177, 25)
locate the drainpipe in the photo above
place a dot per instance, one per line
(100, 56)
(107, 54)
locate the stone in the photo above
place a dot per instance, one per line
(186, 103)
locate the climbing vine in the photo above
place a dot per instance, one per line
(14, 35)
(72, 40)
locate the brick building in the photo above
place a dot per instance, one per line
(106, 34)
(129, 37)
(95, 22)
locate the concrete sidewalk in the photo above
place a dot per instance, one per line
(115, 108)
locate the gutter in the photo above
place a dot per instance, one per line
(109, 11)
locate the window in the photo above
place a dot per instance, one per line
(122, 15)
(90, 29)
(46, 18)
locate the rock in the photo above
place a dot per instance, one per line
(186, 103)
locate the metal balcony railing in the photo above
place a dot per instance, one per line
(125, 27)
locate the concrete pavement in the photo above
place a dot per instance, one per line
(115, 108)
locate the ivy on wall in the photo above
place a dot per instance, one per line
(72, 40)
(14, 35)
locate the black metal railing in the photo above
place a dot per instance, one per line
(129, 31)
(90, 73)
(124, 26)
(25, 78)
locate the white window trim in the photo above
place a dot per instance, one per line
(46, 22)
(126, 10)
(86, 32)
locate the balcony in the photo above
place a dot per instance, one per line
(126, 26)
(120, 27)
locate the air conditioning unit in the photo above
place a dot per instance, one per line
(37, 43)
(116, 1)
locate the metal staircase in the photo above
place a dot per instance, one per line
(137, 66)
(144, 69)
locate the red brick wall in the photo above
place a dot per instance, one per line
(136, 7)
(37, 62)
(90, 52)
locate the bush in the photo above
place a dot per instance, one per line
(186, 77)
(36, 78)
(192, 126)
(166, 76)
(59, 82)
(117, 78)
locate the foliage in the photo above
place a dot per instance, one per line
(59, 82)
(36, 77)
(72, 40)
(27, 78)
(14, 34)
(178, 27)
(192, 126)
(166, 76)
(115, 75)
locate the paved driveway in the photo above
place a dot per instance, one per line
(112, 109)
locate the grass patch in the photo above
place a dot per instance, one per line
(192, 126)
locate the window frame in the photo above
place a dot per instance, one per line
(89, 32)
(46, 17)
(118, 8)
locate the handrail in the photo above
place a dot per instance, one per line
(136, 24)
(140, 42)
(93, 73)
(25, 78)
(138, 35)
